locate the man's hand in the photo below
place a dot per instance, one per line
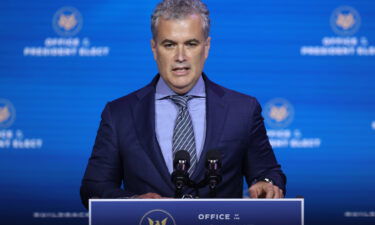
(149, 196)
(264, 189)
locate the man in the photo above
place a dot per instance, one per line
(140, 133)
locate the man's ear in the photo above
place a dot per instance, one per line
(207, 46)
(153, 48)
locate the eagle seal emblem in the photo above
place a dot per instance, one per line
(278, 113)
(157, 217)
(345, 21)
(7, 113)
(67, 21)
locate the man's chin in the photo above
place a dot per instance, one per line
(180, 88)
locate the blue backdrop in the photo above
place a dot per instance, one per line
(311, 64)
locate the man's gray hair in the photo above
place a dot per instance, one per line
(180, 9)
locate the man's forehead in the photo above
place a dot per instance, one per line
(188, 27)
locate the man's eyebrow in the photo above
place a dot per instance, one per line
(192, 40)
(168, 41)
(173, 42)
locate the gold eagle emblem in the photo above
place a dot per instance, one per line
(157, 222)
(4, 113)
(67, 21)
(345, 21)
(279, 113)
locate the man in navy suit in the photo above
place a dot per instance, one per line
(133, 152)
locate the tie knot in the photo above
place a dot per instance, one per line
(181, 101)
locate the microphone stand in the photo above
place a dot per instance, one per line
(180, 175)
(180, 179)
(212, 185)
(213, 177)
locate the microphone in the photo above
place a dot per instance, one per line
(213, 166)
(181, 161)
(180, 175)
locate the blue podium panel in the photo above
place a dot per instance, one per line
(197, 211)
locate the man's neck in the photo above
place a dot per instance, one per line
(163, 90)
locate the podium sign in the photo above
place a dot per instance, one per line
(196, 211)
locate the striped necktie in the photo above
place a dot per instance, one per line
(183, 133)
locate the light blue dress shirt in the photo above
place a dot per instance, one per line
(166, 113)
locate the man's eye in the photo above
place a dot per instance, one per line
(192, 44)
(168, 45)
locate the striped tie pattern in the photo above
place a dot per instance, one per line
(183, 133)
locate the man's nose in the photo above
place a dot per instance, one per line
(180, 54)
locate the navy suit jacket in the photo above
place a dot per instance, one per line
(126, 159)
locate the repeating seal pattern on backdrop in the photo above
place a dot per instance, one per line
(67, 22)
(14, 138)
(345, 22)
(279, 113)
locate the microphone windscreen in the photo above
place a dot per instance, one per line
(181, 155)
(213, 155)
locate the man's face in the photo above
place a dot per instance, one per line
(180, 50)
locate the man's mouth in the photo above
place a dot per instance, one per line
(180, 70)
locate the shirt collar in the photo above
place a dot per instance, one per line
(163, 90)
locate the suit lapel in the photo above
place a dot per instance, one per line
(144, 118)
(216, 112)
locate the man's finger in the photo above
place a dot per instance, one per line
(276, 191)
(281, 194)
(269, 191)
(253, 192)
(154, 195)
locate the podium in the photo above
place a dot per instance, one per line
(196, 211)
